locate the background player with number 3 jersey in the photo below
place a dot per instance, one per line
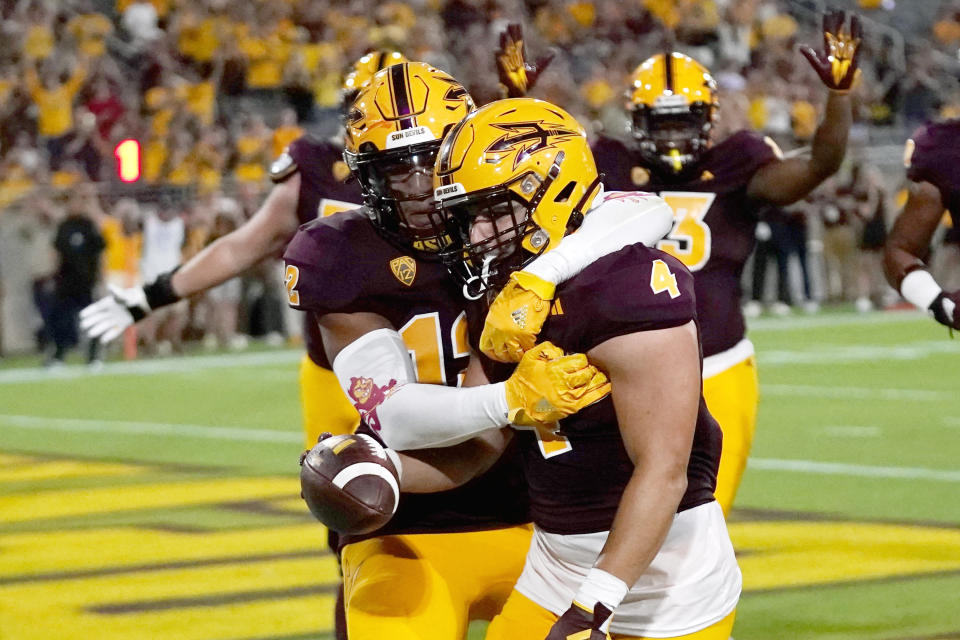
(931, 159)
(716, 190)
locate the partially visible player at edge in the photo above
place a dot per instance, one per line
(716, 191)
(932, 160)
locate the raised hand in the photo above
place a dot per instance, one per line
(837, 63)
(517, 76)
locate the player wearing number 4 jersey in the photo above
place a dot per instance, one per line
(622, 491)
(717, 191)
(372, 281)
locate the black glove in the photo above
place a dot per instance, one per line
(837, 63)
(946, 313)
(576, 620)
(516, 76)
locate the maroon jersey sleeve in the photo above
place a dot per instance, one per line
(324, 272)
(732, 163)
(634, 289)
(933, 155)
(325, 180)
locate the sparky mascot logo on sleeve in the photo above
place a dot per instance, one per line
(367, 396)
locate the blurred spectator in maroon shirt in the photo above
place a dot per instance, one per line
(106, 105)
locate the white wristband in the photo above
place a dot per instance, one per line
(603, 587)
(919, 289)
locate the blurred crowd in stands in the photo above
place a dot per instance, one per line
(213, 90)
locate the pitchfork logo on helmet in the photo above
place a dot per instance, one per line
(673, 106)
(512, 179)
(526, 138)
(393, 132)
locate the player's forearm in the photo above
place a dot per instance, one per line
(898, 261)
(621, 220)
(646, 511)
(420, 416)
(226, 258)
(830, 139)
(434, 470)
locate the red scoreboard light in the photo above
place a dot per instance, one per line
(127, 153)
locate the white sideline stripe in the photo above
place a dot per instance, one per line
(831, 320)
(854, 393)
(856, 353)
(358, 469)
(261, 435)
(183, 364)
(151, 428)
(851, 431)
(855, 470)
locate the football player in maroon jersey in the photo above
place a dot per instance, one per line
(717, 189)
(622, 492)
(931, 158)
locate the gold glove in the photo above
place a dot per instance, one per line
(548, 386)
(516, 317)
(837, 63)
(517, 76)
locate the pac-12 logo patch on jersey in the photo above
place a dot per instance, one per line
(405, 269)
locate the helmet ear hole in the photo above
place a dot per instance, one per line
(566, 192)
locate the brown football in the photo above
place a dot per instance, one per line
(349, 483)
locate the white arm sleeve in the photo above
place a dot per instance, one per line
(616, 220)
(377, 374)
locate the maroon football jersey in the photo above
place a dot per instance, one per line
(935, 158)
(325, 188)
(576, 481)
(340, 264)
(714, 221)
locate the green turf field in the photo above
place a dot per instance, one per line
(158, 499)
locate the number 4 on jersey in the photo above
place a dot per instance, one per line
(662, 279)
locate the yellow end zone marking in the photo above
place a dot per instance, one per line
(311, 613)
(343, 445)
(26, 554)
(795, 554)
(79, 502)
(46, 470)
(7, 459)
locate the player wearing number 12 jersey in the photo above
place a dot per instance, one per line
(716, 192)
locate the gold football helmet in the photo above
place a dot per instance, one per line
(512, 179)
(673, 105)
(363, 70)
(393, 132)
